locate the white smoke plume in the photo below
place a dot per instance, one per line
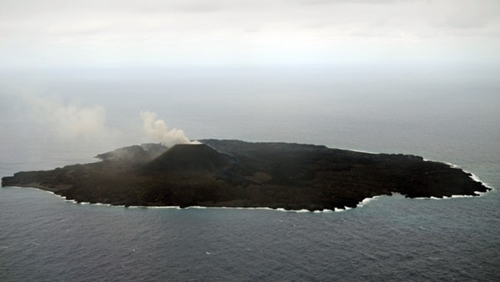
(72, 122)
(157, 130)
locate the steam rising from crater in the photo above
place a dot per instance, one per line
(157, 130)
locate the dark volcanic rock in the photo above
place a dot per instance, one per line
(236, 173)
(135, 153)
(188, 157)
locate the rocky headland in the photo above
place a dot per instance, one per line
(232, 173)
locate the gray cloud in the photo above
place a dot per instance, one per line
(328, 2)
(152, 31)
(469, 14)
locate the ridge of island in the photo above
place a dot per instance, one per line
(233, 173)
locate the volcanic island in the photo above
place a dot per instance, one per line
(233, 173)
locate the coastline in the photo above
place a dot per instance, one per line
(361, 204)
(238, 174)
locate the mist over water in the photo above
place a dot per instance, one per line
(441, 114)
(378, 109)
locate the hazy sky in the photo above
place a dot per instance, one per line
(126, 33)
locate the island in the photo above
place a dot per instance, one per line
(233, 173)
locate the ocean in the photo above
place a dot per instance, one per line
(446, 115)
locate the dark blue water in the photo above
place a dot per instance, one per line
(45, 238)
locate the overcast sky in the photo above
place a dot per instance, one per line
(127, 33)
